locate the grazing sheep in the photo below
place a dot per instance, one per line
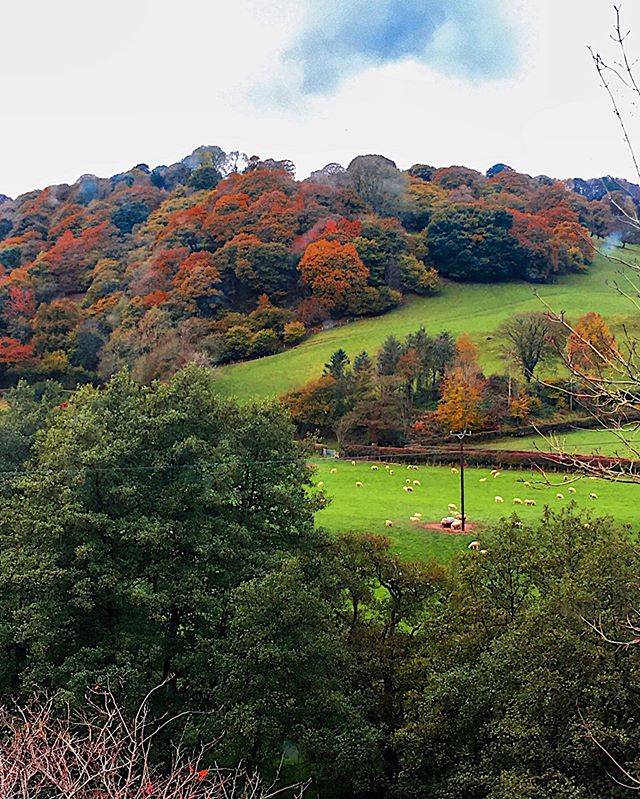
(457, 525)
(484, 551)
(559, 496)
(530, 502)
(518, 525)
(416, 482)
(498, 500)
(409, 467)
(414, 519)
(359, 484)
(517, 501)
(483, 479)
(497, 474)
(320, 484)
(492, 472)
(527, 484)
(390, 471)
(334, 471)
(388, 523)
(353, 463)
(593, 495)
(374, 468)
(408, 481)
(565, 477)
(387, 466)
(419, 515)
(451, 506)
(572, 490)
(474, 545)
(407, 488)
(454, 470)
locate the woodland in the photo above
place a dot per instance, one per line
(222, 258)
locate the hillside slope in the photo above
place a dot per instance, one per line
(474, 308)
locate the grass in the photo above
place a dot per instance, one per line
(381, 497)
(477, 309)
(582, 442)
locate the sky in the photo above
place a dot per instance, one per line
(99, 87)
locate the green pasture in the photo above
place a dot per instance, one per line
(477, 309)
(381, 497)
(578, 442)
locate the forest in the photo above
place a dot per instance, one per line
(221, 258)
(159, 537)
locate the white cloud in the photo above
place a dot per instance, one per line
(99, 87)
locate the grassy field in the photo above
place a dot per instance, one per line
(584, 442)
(473, 308)
(381, 497)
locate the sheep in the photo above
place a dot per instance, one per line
(415, 468)
(334, 471)
(408, 481)
(419, 515)
(559, 495)
(454, 470)
(451, 506)
(457, 525)
(527, 484)
(374, 468)
(517, 501)
(492, 472)
(387, 466)
(390, 471)
(474, 545)
(414, 519)
(409, 467)
(484, 551)
(320, 484)
(388, 523)
(416, 482)
(497, 474)
(593, 495)
(483, 479)
(530, 502)
(498, 500)
(572, 490)
(353, 463)
(359, 484)
(407, 488)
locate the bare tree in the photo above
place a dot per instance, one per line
(531, 339)
(47, 750)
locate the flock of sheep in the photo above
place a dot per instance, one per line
(454, 519)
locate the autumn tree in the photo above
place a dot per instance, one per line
(591, 346)
(334, 272)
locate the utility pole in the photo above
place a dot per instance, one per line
(461, 437)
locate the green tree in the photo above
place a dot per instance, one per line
(337, 364)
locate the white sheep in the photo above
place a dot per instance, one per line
(572, 490)
(407, 488)
(374, 468)
(454, 470)
(419, 515)
(388, 523)
(530, 502)
(593, 495)
(414, 519)
(451, 506)
(457, 525)
(498, 500)
(484, 551)
(474, 545)
(559, 495)
(517, 501)
(359, 484)
(320, 484)
(497, 474)
(353, 463)
(390, 471)
(483, 479)
(387, 466)
(492, 472)
(416, 482)
(527, 484)
(334, 471)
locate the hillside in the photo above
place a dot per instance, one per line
(221, 258)
(472, 308)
